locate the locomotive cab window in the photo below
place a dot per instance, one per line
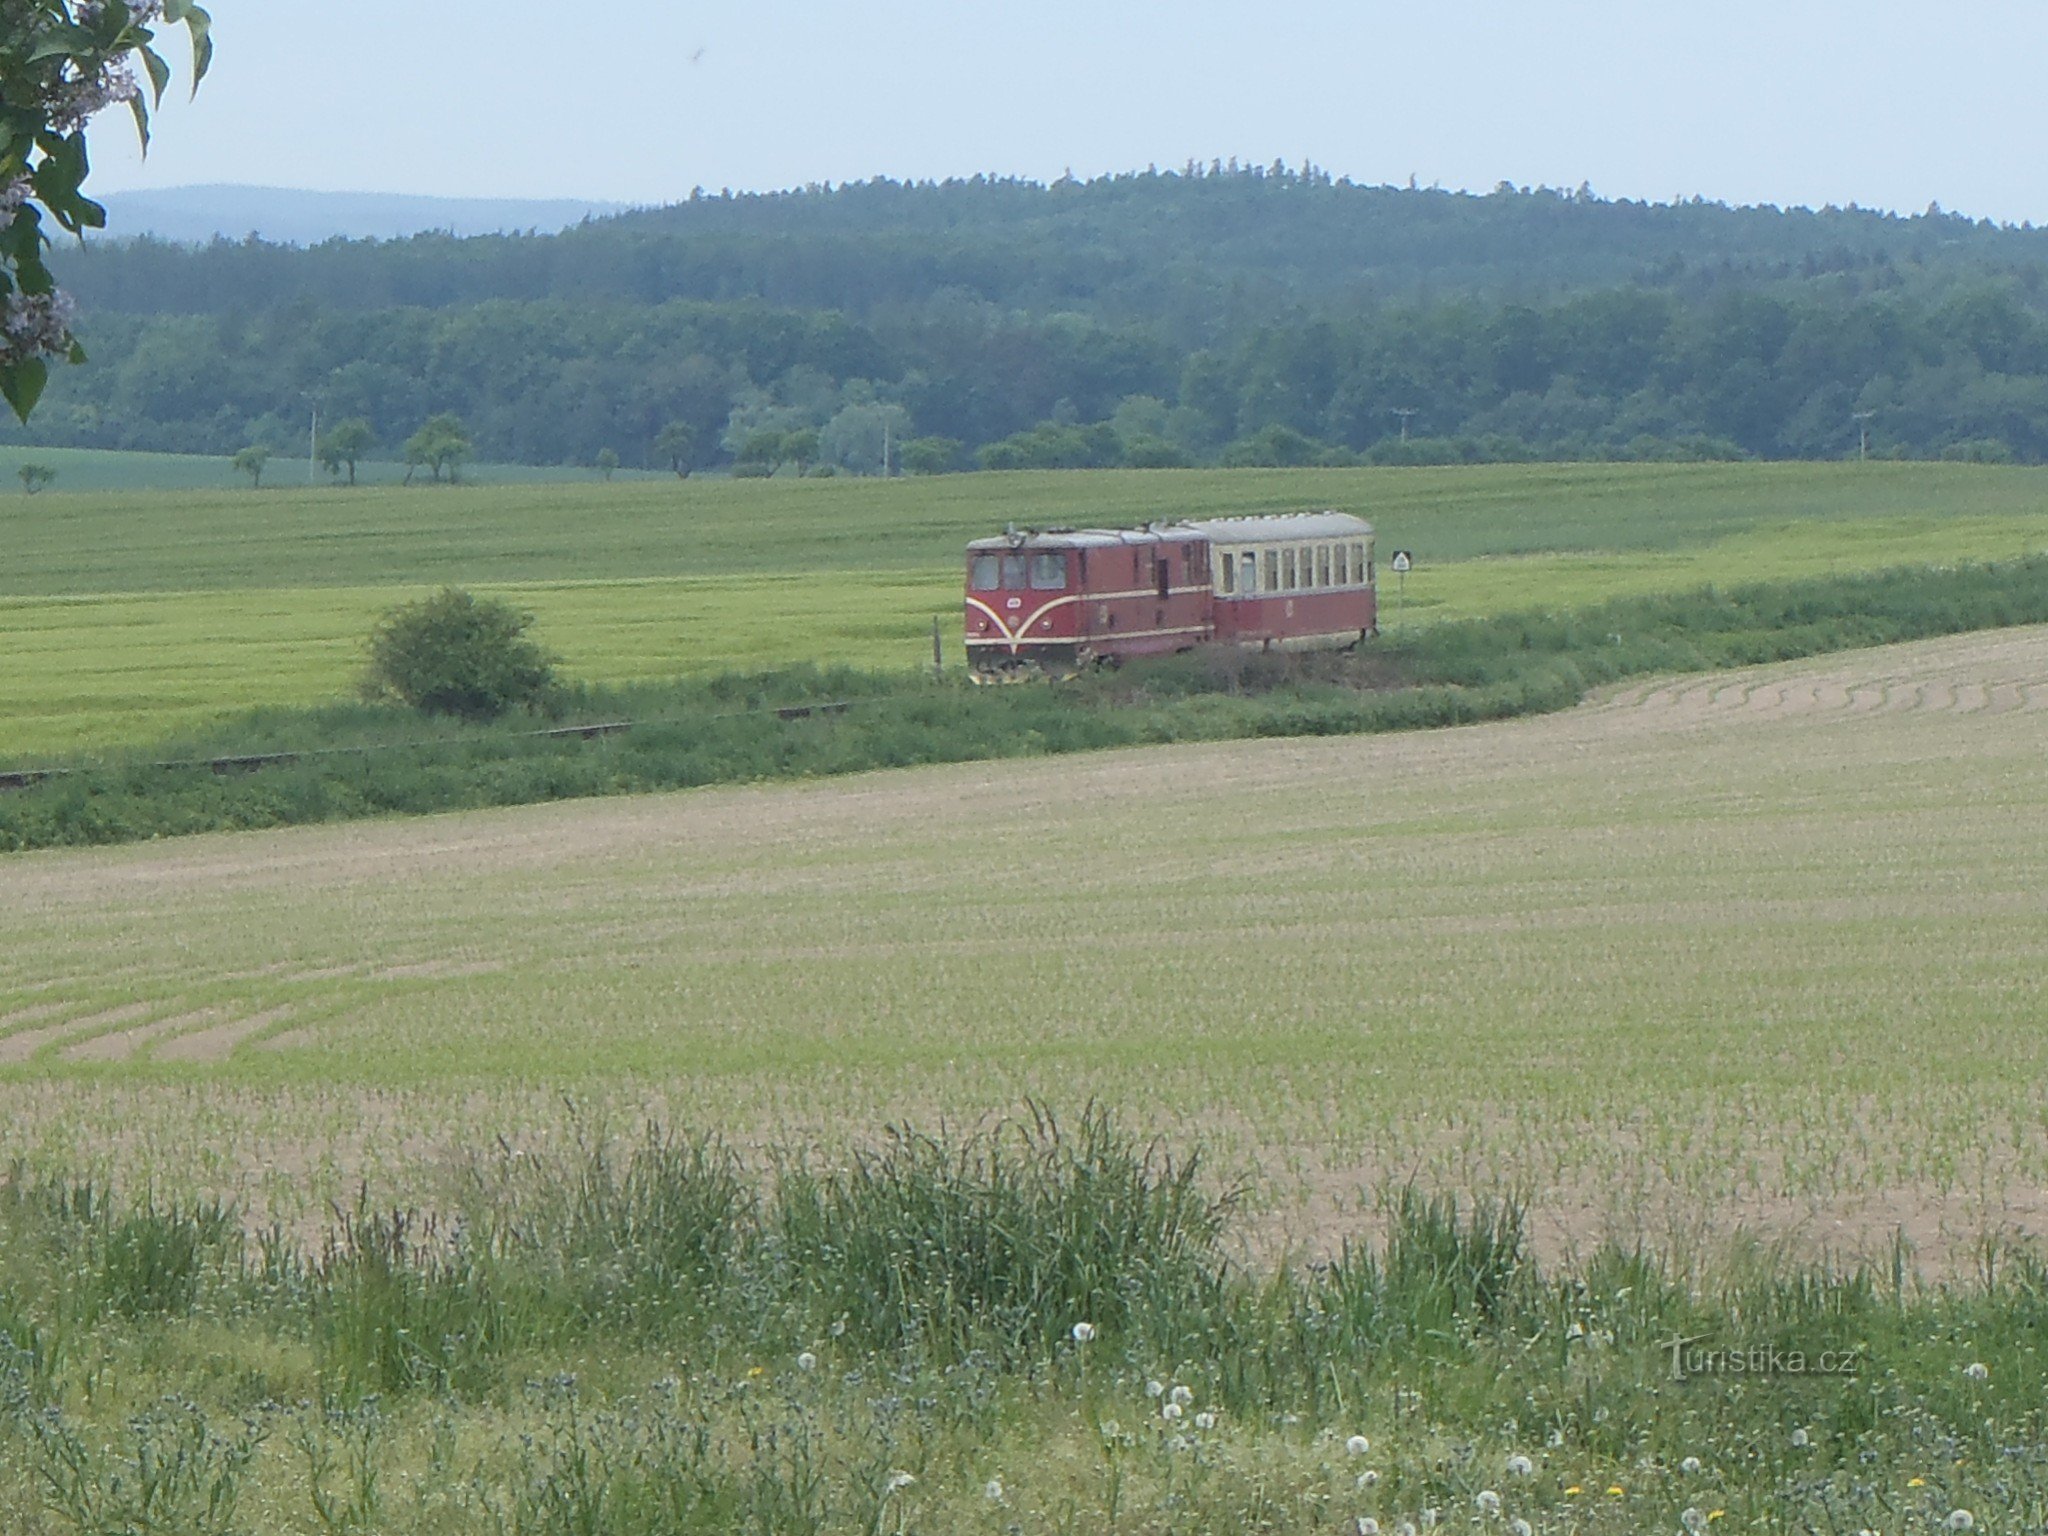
(1013, 573)
(984, 573)
(1340, 566)
(1048, 573)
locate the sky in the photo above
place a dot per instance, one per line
(1883, 104)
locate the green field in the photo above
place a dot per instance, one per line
(129, 617)
(1735, 980)
(1464, 953)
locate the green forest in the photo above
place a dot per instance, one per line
(1215, 314)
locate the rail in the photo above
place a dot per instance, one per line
(256, 762)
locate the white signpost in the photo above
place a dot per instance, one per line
(1401, 564)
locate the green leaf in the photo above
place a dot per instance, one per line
(23, 384)
(159, 76)
(140, 110)
(200, 25)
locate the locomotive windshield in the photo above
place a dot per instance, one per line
(1017, 573)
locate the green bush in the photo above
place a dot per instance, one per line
(458, 654)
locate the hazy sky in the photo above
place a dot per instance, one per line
(1800, 101)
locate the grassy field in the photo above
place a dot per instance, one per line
(98, 470)
(1462, 955)
(1733, 979)
(130, 617)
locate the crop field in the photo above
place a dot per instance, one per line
(129, 617)
(1464, 957)
(1578, 1051)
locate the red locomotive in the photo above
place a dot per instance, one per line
(1064, 597)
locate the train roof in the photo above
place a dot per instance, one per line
(1275, 528)
(1281, 527)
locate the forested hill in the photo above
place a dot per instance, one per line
(1220, 313)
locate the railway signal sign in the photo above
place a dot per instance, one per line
(1402, 562)
(1401, 565)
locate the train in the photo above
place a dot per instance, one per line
(1060, 599)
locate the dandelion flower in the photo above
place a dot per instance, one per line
(1690, 1466)
(1521, 1466)
(1170, 1412)
(1977, 1370)
(1916, 1482)
(1614, 1490)
(898, 1481)
(1489, 1503)
(992, 1490)
(1694, 1520)
(1961, 1520)
(807, 1361)
(1083, 1332)
(1574, 1491)
(1357, 1445)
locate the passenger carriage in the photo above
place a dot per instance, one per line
(1059, 599)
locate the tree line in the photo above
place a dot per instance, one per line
(1806, 332)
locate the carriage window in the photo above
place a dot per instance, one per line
(1288, 570)
(1163, 574)
(1013, 573)
(1272, 570)
(1340, 566)
(983, 572)
(1048, 573)
(1323, 565)
(1248, 569)
(1361, 566)
(1196, 557)
(1226, 577)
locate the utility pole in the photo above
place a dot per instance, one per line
(312, 439)
(1862, 420)
(1404, 412)
(887, 424)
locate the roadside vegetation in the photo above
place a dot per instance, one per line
(1038, 1326)
(343, 762)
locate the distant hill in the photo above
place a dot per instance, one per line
(287, 216)
(1220, 314)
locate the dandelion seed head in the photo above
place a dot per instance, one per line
(1170, 1412)
(807, 1361)
(1367, 1478)
(1961, 1520)
(1155, 1389)
(1183, 1395)
(1083, 1332)
(1694, 1520)
(1488, 1502)
(1367, 1526)
(1690, 1466)
(1357, 1445)
(898, 1481)
(1800, 1439)
(1205, 1420)
(1977, 1370)
(992, 1490)
(1520, 1466)
(1521, 1527)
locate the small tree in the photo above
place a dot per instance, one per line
(252, 461)
(345, 442)
(763, 447)
(607, 463)
(442, 443)
(458, 654)
(677, 442)
(801, 447)
(35, 476)
(931, 455)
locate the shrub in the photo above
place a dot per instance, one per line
(458, 654)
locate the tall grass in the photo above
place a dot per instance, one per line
(650, 1337)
